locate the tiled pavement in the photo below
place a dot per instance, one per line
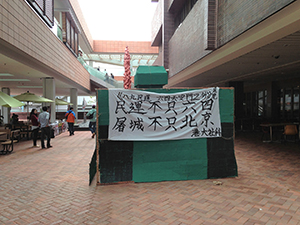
(51, 187)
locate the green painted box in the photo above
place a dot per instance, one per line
(150, 77)
(153, 161)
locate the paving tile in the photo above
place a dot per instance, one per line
(51, 187)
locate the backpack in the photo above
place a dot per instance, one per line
(67, 116)
(90, 116)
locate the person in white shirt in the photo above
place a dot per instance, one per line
(45, 128)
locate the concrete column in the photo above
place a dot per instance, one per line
(238, 102)
(6, 110)
(238, 98)
(167, 32)
(49, 92)
(73, 97)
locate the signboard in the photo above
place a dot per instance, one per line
(136, 115)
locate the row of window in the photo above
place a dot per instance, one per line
(45, 8)
(70, 35)
(255, 104)
(289, 103)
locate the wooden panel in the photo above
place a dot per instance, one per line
(169, 160)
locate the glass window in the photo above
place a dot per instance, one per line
(40, 4)
(68, 32)
(296, 103)
(72, 38)
(45, 9)
(254, 104)
(281, 100)
(288, 100)
(49, 10)
(260, 103)
(76, 43)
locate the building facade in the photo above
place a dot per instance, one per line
(39, 46)
(252, 45)
(46, 48)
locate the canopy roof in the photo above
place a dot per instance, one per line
(8, 101)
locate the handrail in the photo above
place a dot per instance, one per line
(96, 73)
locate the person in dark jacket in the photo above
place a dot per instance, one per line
(34, 126)
(92, 124)
(70, 115)
(15, 119)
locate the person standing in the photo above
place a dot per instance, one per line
(43, 119)
(34, 126)
(106, 78)
(70, 116)
(92, 116)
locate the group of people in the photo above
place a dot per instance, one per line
(107, 77)
(70, 118)
(42, 121)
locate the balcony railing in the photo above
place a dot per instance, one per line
(96, 73)
(57, 30)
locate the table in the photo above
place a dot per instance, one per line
(24, 129)
(271, 125)
(8, 144)
(3, 133)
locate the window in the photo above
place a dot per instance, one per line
(289, 104)
(68, 30)
(296, 103)
(262, 103)
(76, 42)
(45, 8)
(255, 104)
(70, 37)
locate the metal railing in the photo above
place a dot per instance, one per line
(96, 73)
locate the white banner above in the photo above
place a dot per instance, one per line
(147, 116)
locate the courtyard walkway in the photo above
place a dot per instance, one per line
(51, 187)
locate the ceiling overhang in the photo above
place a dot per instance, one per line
(22, 66)
(253, 52)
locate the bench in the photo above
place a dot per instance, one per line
(8, 144)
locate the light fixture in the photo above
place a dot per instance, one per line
(276, 56)
(14, 80)
(29, 86)
(6, 75)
